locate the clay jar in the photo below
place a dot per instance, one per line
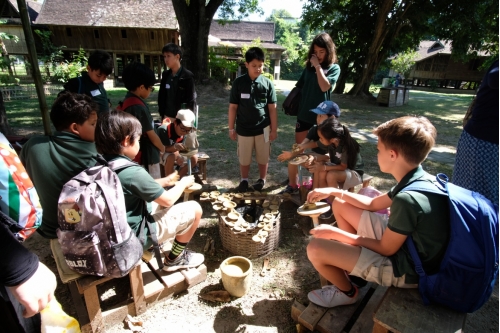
(236, 275)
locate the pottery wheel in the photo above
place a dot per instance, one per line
(188, 153)
(192, 188)
(298, 160)
(321, 207)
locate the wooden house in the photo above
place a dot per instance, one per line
(130, 30)
(9, 12)
(434, 62)
(229, 39)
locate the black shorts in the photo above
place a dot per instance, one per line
(302, 126)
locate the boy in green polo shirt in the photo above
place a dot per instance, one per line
(367, 244)
(100, 65)
(252, 106)
(51, 161)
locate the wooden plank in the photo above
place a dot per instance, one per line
(311, 316)
(402, 310)
(93, 309)
(137, 289)
(90, 281)
(81, 309)
(364, 323)
(336, 318)
(297, 309)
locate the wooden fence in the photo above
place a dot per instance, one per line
(28, 92)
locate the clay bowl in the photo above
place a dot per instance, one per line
(217, 207)
(204, 195)
(233, 216)
(238, 195)
(215, 193)
(229, 204)
(265, 204)
(269, 215)
(273, 207)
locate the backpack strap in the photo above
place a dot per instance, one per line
(130, 101)
(120, 164)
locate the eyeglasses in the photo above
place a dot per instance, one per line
(185, 129)
(151, 88)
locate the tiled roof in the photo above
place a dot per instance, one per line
(156, 14)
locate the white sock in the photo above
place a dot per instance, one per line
(242, 179)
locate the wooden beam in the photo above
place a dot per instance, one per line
(30, 43)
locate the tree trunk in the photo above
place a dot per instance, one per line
(340, 86)
(4, 123)
(195, 18)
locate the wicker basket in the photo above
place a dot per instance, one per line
(241, 243)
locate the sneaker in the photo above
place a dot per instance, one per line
(330, 296)
(327, 215)
(186, 259)
(259, 185)
(195, 169)
(290, 189)
(243, 187)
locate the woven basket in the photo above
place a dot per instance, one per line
(241, 243)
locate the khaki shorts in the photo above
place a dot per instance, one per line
(154, 170)
(246, 146)
(371, 266)
(352, 178)
(173, 221)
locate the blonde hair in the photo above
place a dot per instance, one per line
(412, 137)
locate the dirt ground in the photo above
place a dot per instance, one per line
(266, 308)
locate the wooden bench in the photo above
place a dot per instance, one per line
(147, 285)
(202, 163)
(380, 310)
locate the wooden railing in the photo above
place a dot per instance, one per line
(28, 92)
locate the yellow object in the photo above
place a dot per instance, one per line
(55, 320)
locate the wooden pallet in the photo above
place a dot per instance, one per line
(349, 318)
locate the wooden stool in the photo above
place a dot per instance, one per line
(202, 163)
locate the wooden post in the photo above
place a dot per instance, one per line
(115, 65)
(30, 43)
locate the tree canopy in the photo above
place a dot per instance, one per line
(366, 32)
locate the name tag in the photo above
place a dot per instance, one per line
(167, 86)
(95, 93)
(245, 96)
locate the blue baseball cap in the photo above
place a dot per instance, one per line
(327, 107)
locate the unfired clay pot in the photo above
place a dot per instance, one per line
(236, 275)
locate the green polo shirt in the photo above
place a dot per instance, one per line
(142, 113)
(96, 91)
(424, 216)
(312, 95)
(51, 161)
(138, 186)
(252, 98)
(171, 86)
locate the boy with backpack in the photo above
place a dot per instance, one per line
(139, 80)
(117, 138)
(51, 161)
(100, 65)
(366, 244)
(252, 108)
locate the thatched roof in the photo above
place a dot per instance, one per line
(154, 14)
(240, 33)
(429, 48)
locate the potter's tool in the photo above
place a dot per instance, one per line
(321, 207)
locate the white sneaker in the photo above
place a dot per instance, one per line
(330, 296)
(186, 259)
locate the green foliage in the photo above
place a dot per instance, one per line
(257, 43)
(219, 64)
(66, 70)
(404, 61)
(268, 75)
(433, 84)
(237, 9)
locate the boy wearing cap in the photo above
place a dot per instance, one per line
(172, 136)
(139, 80)
(324, 111)
(252, 106)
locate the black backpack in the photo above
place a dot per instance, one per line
(292, 102)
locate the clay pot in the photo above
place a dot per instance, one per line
(236, 275)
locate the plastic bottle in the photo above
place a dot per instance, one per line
(55, 320)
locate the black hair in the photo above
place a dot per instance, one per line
(112, 128)
(71, 108)
(254, 53)
(324, 41)
(331, 129)
(136, 75)
(172, 48)
(102, 61)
